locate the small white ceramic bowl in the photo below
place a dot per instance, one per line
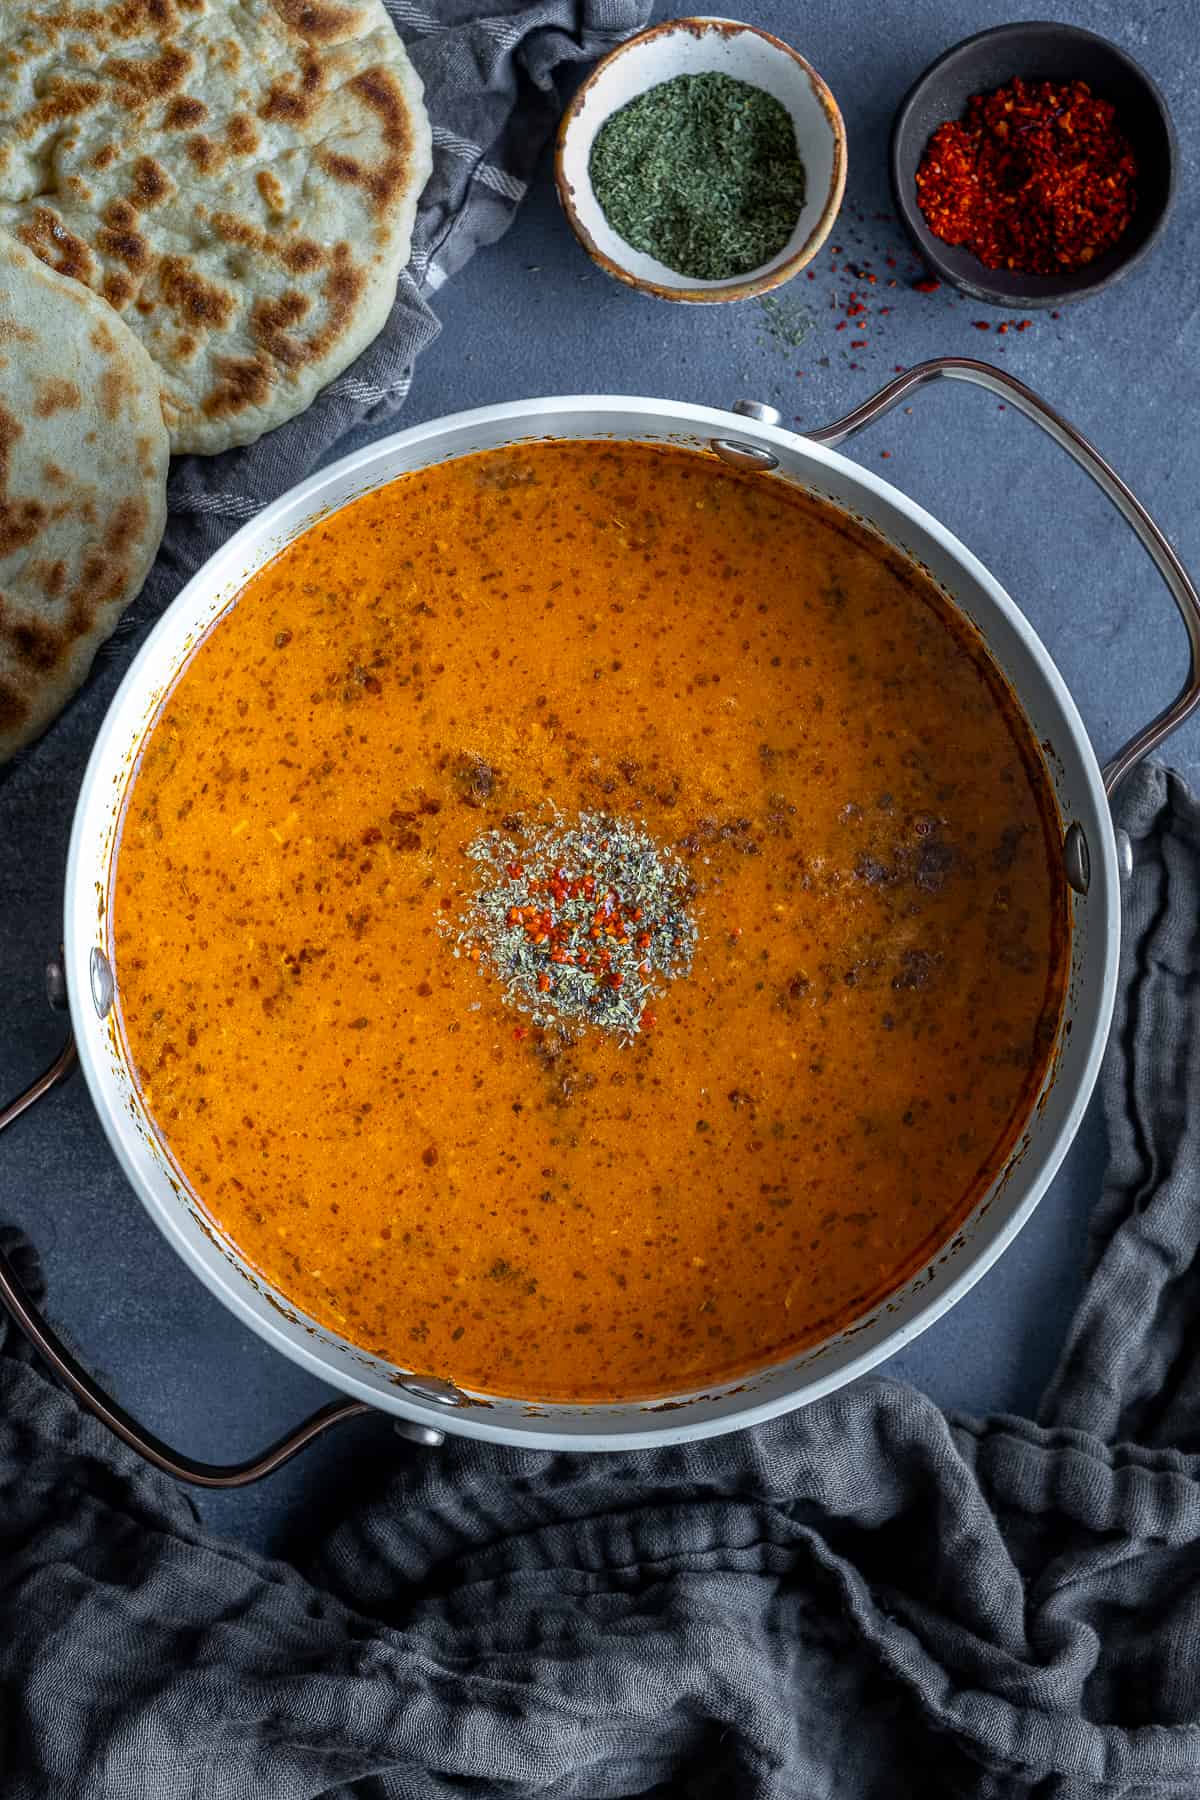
(697, 47)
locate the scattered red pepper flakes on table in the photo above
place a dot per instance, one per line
(1038, 177)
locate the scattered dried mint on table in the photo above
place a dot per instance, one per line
(582, 924)
(701, 172)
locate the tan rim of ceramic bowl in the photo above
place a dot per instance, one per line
(792, 260)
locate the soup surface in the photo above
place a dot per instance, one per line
(566, 1142)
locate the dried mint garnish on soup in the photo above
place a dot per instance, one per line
(583, 924)
(702, 173)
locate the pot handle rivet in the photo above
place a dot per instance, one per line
(747, 456)
(428, 1387)
(425, 1435)
(742, 456)
(757, 409)
(1124, 855)
(1077, 861)
(102, 982)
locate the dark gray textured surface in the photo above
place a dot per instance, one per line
(532, 316)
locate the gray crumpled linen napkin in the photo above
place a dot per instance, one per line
(867, 1600)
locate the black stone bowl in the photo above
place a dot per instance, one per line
(1037, 52)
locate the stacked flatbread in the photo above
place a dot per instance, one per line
(235, 183)
(83, 485)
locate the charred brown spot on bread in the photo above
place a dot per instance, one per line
(13, 333)
(63, 100)
(271, 190)
(128, 247)
(20, 520)
(233, 229)
(120, 239)
(36, 644)
(46, 235)
(282, 105)
(54, 475)
(186, 345)
(299, 258)
(126, 527)
(271, 321)
(151, 183)
(294, 102)
(192, 298)
(104, 575)
(117, 24)
(302, 257)
(241, 134)
(14, 708)
(242, 382)
(317, 21)
(117, 289)
(184, 113)
(105, 156)
(56, 395)
(11, 432)
(342, 289)
(139, 80)
(379, 90)
(51, 577)
(206, 154)
(116, 391)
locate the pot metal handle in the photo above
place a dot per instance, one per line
(1153, 541)
(22, 1310)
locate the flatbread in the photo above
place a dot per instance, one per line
(238, 178)
(83, 485)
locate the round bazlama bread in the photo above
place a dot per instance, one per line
(238, 178)
(83, 485)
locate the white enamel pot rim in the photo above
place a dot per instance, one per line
(1081, 798)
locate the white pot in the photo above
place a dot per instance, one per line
(1079, 789)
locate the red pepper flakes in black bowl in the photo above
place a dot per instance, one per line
(1034, 224)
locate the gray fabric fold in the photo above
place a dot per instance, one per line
(1132, 1367)
(866, 1599)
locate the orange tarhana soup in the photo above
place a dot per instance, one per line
(589, 922)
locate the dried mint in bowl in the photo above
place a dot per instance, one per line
(701, 172)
